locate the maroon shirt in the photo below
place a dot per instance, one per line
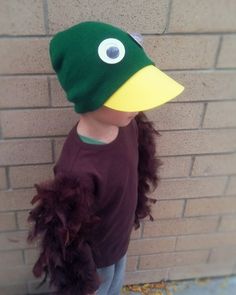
(113, 171)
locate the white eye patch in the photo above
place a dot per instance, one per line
(111, 50)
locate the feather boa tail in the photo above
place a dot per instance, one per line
(148, 167)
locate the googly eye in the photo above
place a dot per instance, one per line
(111, 51)
(137, 37)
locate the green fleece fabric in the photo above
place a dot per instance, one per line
(87, 80)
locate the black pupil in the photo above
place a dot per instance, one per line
(113, 52)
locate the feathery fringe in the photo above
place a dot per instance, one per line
(62, 220)
(148, 167)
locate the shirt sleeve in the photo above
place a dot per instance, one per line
(61, 222)
(148, 166)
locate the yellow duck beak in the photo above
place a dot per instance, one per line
(146, 89)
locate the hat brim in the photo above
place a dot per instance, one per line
(146, 89)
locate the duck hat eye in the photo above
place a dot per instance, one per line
(111, 50)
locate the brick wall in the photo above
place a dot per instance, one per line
(194, 233)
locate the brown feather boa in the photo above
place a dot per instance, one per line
(64, 215)
(62, 220)
(148, 167)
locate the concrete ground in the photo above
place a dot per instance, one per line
(211, 286)
(207, 286)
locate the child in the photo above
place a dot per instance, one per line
(107, 165)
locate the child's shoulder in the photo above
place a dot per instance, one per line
(68, 151)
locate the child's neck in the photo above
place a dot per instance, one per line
(97, 130)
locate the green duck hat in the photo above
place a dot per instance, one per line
(99, 64)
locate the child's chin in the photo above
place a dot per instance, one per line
(127, 122)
